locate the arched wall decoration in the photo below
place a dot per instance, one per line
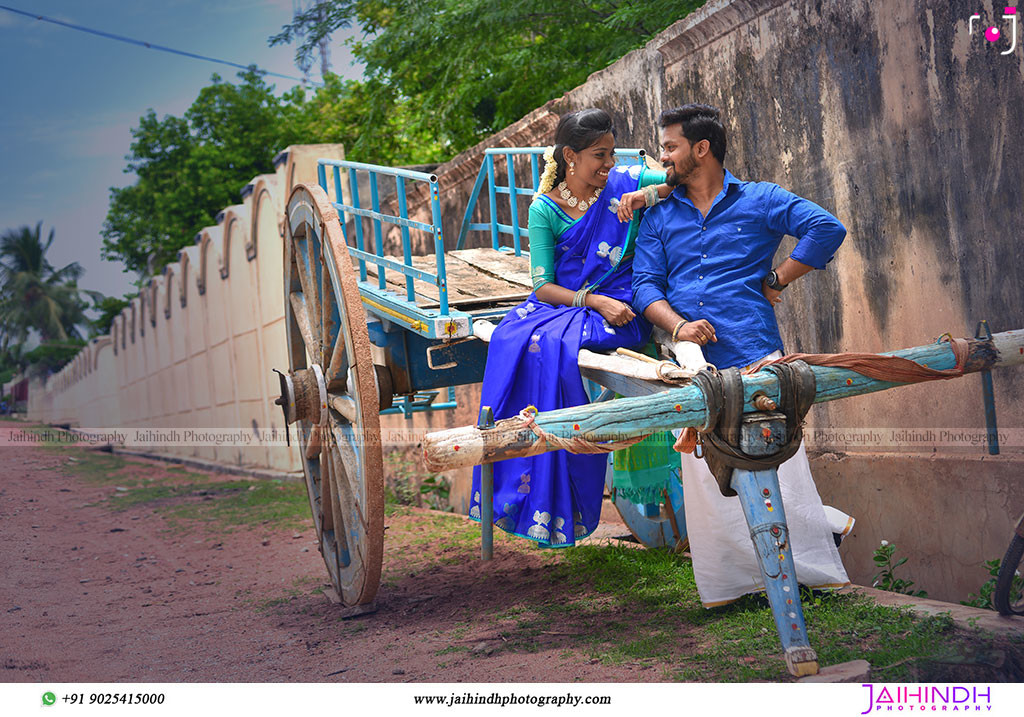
(101, 343)
(225, 247)
(153, 295)
(262, 190)
(168, 275)
(209, 238)
(184, 263)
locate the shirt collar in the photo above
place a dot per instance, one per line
(729, 180)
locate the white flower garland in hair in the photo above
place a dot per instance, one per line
(547, 180)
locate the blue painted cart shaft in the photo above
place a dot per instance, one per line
(665, 408)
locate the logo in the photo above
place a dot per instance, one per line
(928, 698)
(993, 33)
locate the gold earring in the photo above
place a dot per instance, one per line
(572, 168)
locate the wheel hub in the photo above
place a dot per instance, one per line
(303, 395)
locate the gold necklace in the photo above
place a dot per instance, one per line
(572, 200)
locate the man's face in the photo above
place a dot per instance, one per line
(677, 155)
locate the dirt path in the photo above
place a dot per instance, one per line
(90, 594)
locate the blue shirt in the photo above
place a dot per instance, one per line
(712, 267)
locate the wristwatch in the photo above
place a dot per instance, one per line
(772, 281)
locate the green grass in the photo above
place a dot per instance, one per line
(622, 605)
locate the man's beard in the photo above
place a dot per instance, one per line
(675, 178)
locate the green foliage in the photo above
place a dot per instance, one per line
(109, 307)
(189, 168)
(34, 296)
(886, 578)
(462, 69)
(984, 597)
(51, 356)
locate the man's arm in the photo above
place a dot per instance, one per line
(819, 234)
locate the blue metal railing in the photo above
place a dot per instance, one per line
(487, 173)
(438, 279)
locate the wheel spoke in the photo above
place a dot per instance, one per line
(313, 447)
(301, 314)
(337, 368)
(339, 500)
(345, 406)
(348, 466)
(310, 295)
(326, 503)
(355, 521)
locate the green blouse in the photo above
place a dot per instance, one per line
(547, 223)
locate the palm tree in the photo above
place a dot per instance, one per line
(34, 295)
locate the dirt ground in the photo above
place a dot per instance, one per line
(125, 570)
(94, 595)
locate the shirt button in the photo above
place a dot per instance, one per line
(700, 277)
(703, 229)
(705, 256)
(700, 303)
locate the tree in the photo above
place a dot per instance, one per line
(34, 295)
(463, 69)
(189, 168)
(109, 307)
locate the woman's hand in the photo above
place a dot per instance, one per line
(615, 312)
(628, 203)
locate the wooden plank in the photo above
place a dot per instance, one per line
(466, 283)
(501, 265)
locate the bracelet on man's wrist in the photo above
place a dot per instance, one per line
(675, 330)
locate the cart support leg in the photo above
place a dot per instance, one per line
(486, 420)
(762, 507)
(989, 394)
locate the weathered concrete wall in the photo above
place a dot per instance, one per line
(195, 349)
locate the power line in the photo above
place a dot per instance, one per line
(148, 45)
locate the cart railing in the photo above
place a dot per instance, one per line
(357, 209)
(488, 172)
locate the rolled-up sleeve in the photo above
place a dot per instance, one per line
(649, 265)
(818, 233)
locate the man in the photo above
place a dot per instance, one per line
(703, 272)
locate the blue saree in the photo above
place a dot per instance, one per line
(555, 498)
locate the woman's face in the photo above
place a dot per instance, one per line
(594, 162)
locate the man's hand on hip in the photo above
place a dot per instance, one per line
(774, 297)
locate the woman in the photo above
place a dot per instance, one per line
(581, 259)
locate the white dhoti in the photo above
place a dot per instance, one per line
(724, 563)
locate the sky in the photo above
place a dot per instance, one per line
(68, 101)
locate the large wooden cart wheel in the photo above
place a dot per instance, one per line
(330, 392)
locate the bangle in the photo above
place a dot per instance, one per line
(651, 195)
(681, 324)
(580, 299)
